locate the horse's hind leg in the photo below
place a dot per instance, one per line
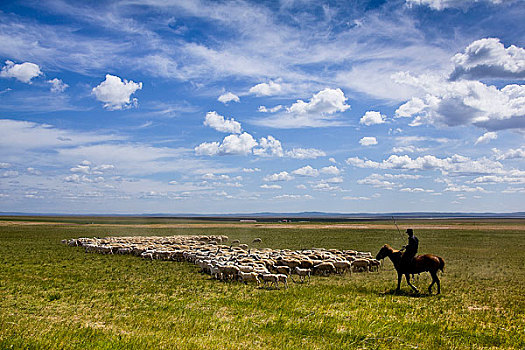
(435, 279)
(410, 284)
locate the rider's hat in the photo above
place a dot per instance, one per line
(409, 231)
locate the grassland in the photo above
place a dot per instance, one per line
(53, 296)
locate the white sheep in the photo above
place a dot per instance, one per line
(249, 277)
(269, 278)
(360, 265)
(302, 273)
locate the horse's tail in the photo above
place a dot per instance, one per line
(441, 264)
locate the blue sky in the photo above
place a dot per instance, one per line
(235, 106)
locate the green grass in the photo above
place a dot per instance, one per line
(53, 296)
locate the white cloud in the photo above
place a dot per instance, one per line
(486, 137)
(331, 170)
(408, 149)
(270, 187)
(517, 153)
(372, 118)
(319, 111)
(306, 171)
(57, 85)
(219, 123)
(231, 145)
(350, 198)
(464, 102)
(266, 89)
(263, 109)
(517, 178)
(488, 58)
(377, 181)
(23, 72)
(323, 186)
(4, 165)
(464, 188)
(325, 102)
(116, 93)
(445, 4)
(293, 196)
(270, 147)
(368, 141)
(282, 176)
(228, 97)
(457, 164)
(513, 190)
(305, 153)
(10, 174)
(334, 180)
(251, 170)
(416, 190)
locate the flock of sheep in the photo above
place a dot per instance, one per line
(236, 262)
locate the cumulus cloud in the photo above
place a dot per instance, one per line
(116, 93)
(270, 147)
(263, 109)
(486, 137)
(368, 141)
(266, 89)
(464, 102)
(456, 165)
(377, 181)
(228, 97)
(325, 102)
(231, 145)
(219, 123)
(516, 177)
(23, 72)
(415, 190)
(57, 85)
(352, 198)
(270, 187)
(517, 153)
(306, 171)
(408, 149)
(440, 5)
(331, 170)
(488, 58)
(319, 111)
(282, 176)
(251, 170)
(334, 180)
(464, 188)
(372, 118)
(293, 196)
(305, 153)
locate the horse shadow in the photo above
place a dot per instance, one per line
(404, 293)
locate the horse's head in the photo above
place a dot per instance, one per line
(385, 251)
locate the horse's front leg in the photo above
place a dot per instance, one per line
(399, 276)
(410, 284)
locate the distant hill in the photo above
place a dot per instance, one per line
(298, 215)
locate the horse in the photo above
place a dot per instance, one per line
(421, 263)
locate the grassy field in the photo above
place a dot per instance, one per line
(53, 296)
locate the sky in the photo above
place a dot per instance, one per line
(215, 107)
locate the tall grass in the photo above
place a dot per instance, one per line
(53, 296)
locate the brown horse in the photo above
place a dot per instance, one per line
(421, 263)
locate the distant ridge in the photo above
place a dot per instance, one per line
(298, 215)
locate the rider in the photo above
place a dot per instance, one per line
(410, 250)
